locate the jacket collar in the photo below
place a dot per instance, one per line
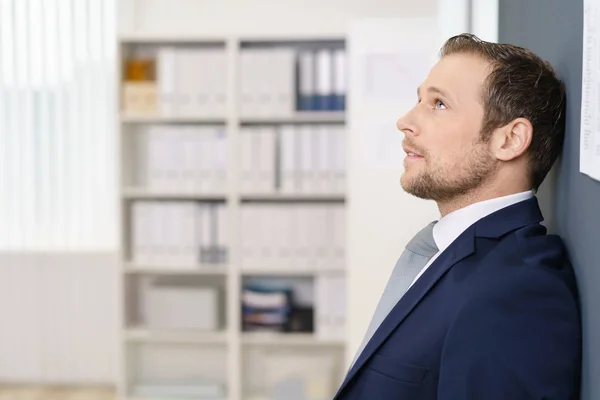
(509, 219)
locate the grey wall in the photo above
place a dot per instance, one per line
(554, 30)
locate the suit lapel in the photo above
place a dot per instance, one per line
(460, 249)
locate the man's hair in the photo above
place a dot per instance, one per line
(520, 84)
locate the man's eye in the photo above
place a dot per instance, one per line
(440, 105)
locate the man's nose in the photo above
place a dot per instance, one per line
(407, 125)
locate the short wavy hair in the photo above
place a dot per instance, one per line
(521, 84)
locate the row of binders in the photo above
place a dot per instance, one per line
(178, 233)
(322, 80)
(279, 82)
(293, 159)
(294, 236)
(182, 158)
(191, 82)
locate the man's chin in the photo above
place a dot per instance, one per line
(412, 186)
(420, 194)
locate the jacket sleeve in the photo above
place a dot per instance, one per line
(517, 339)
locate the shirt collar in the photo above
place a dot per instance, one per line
(448, 228)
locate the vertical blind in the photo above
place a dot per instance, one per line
(57, 125)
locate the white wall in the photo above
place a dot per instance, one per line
(260, 17)
(484, 17)
(479, 17)
(59, 318)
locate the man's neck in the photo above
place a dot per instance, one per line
(448, 206)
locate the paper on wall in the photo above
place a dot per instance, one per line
(589, 151)
(394, 75)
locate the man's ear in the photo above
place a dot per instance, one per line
(512, 140)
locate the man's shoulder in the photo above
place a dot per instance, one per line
(530, 246)
(528, 261)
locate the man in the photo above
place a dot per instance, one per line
(482, 304)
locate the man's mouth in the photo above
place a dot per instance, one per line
(412, 153)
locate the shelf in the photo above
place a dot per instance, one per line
(150, 119)
(155, 398)
(248, 338)
(167, 398)
(130, 397)
(308, 117)
(292, 37)
(263, 271)
(287, 339)
(208, 269)
(293, 197)
(139, 193)
(186, 337)
(133, 38)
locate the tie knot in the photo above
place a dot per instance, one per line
(423, 242)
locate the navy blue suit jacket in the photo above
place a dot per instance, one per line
(495, 317)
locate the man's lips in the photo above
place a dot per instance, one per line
(412, 153)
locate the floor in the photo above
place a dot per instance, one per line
(55, 393)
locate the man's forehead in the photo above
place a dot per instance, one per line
(462, 66)
(458, 73)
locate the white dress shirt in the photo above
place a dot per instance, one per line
(448, 228)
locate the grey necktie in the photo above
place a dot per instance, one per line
(417, 254)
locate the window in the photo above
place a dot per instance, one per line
(57, 125)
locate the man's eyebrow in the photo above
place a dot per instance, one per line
(433, 89)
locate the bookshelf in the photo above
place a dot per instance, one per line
(145, 129)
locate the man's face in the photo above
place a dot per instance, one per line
(443, 130)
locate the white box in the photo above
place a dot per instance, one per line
(264, 234)
(166, 71)
(173, 307)
(322, 312)
(247, 249)
(307, 156)
(266, 160)
(339, 236)
(320, 235)
(322, 161)
(141, 225)
(220, 160)
(340, 159)
(245, 169)
(287, 165)
(249, 85)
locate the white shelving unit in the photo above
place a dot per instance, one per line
(232, 274)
